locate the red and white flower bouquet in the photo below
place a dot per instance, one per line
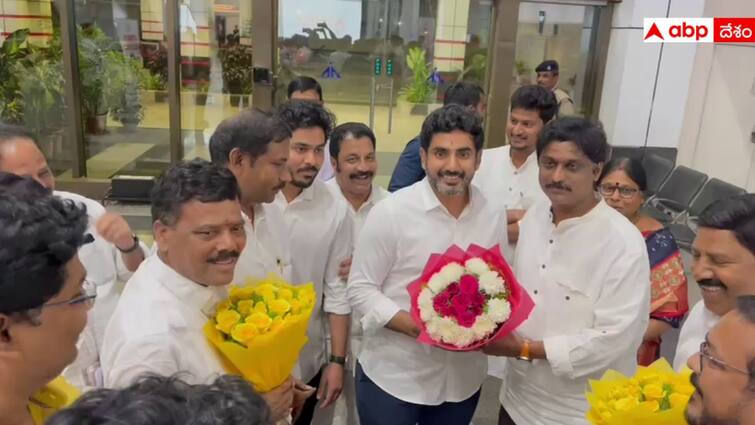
(466, 299)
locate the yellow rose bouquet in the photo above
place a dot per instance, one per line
(260, 330)
(655, 395)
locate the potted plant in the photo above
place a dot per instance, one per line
(157, 64)
(96, 53)
(419, 90)
(14, 50)
(237, 66)
(128, 77)
(156, 85)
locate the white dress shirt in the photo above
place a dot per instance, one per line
(267, 247)
(157, 328)
(498, 178)
(359, 217)
(320, 232)
(396, 242)
(699, 322)
(590, 280)
(105, 268)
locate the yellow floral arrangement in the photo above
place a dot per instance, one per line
(655, 395)
(261, 328)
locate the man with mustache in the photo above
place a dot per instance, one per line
(723, 265)
(254, 146)
(586, 268)
(352, 153)
(320, 232)
(724, 370)
(157, 326)
(399, 380)
(111, 258)
(510, 173)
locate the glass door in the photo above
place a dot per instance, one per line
(385, 63)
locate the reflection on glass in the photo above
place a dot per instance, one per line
(31, 77)
(411, 50)
(123, 72)
(559, 32)
(216, 67)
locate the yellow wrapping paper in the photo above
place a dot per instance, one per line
(269, 355)
(655, 395)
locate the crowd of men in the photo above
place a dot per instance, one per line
(85, 307)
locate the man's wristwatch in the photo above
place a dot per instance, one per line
(524, 353)
(133, 248)
(338, 360)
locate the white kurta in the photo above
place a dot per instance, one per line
(157, 328)
(590, 280)
(699, 322)
(106, 269)
(398, 238)
(499, 179)
(267, 247)
(320, 232)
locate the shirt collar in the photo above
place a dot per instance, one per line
(532, 158)
(597, 211)
(431, 201)
(196, 296)
(306, 195)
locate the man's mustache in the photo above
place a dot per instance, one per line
(459, 174)
(305, 169)
(557, 185)
(367, 174)
(223, 256)
(711, 283)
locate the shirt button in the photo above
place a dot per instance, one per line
(567, 298)
(511, 189)
(535, 291)
(543, 266)
(550, 241)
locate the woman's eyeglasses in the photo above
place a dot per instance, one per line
(624, 192)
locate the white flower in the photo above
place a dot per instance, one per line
(452, 272)
(492, 284)
(477, 266)
(425, 303)
(483, 326)
(438, 327)
(438, 283)
(499, 310)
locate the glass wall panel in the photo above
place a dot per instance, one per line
(31, 77)
(384, 62)
(216, 68)
(123, 71)
(559, 32)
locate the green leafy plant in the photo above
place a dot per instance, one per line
(127, 76)
(418, 89)
(476, 67)
(96, 51)
(522, 68)
(237, 68)
(14, 50)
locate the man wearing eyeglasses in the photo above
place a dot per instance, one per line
(723, 265)
(115, 251)
(724, 370)
(44, 299)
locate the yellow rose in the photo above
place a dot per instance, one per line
(651, 406)
(226, 320)
(236, 293)
(279, 307)
(286, 294)
(653, 392)
(678, 400)
(626, 404)
(260, 307)
(295, 306)
(245, 307)
(267, 292)
(225, 305)
(244, 332)
(260, 320)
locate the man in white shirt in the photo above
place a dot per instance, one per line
(586, 268)
(112, 256)
(254, 146)
(157, 326)
(308, 89)
(723, 265)
(352, 153)
(399, 380)
(724, 370)
(320, 232)
(510, 173)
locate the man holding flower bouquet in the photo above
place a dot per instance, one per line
(586, 268)
(399, 380)
(157, 327)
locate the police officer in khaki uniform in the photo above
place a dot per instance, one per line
(547, 76)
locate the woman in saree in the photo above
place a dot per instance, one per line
(623, 184)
